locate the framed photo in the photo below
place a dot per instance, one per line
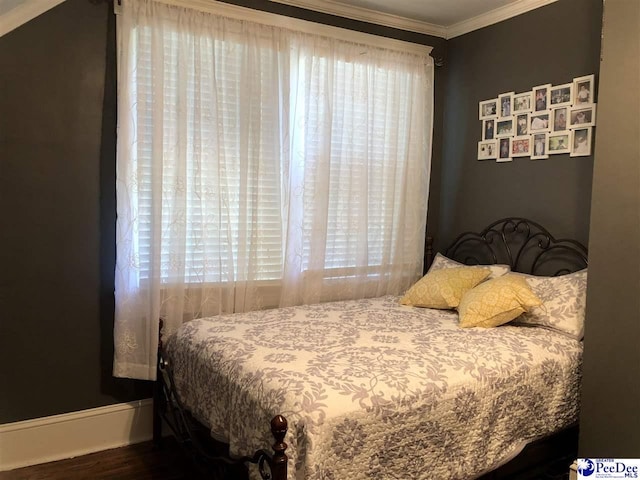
(504, 150)
(504, 127)
(561, 95)
(559, 118)
(522, 124)
(541, 97)
(505, 104)
(521, 146)
(487, 150)
(559, 142)
(539, 143)
(539, 121)
(522, 102)
(582, 116)
(489, 108)
(489, 128)
(583, 90)
(581, 142)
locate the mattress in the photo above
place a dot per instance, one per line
(374, 389)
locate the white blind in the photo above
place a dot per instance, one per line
(361, 140)
(217, 148)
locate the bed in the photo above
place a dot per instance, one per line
(373, 388)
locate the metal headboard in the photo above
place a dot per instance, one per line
(523, 244)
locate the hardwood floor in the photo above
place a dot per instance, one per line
(144, 462)
(135, 462)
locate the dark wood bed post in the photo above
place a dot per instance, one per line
(158, 396)
(279, 459)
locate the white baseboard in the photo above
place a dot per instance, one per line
(48, 439)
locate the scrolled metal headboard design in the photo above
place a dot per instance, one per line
(523, 244)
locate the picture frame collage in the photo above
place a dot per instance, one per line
(547, 120)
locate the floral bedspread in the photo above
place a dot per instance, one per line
(373, 389)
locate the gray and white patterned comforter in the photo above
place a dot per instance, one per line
(373, 389)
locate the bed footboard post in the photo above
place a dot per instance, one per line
(279, 459)
(158, 399)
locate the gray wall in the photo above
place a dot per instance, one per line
(610, 417)
(57, 204)
(552, 44)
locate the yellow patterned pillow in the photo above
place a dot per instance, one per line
(444, 288)
(496, 302)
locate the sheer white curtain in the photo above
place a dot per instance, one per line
(259, 167)
(358, 173)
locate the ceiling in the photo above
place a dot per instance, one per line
(443, 18)
(439, 12)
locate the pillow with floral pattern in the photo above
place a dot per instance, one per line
(564, 303)
(440, 261)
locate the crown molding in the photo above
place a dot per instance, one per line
(23, 13)
(281, 21)
(32, 8)
(332, 7)
(495, 16)
(366, 15)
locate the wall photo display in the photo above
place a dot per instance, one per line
(580, 142)
(559, 142)
(504, 127)
(583, 90)
(489, 108)
(521, 146)
(547, 120)
(540, 143)
(487, 150)
(504, 150)
(541, 97)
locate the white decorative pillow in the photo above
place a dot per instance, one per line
(440, 261)
(564, 302)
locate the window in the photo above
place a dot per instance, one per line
(221, 165)
(260, 166)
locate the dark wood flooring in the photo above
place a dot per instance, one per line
(144, 462)
(135, 462)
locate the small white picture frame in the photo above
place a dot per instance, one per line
(560, 119)
(521, 146)
(488, 108)
(541, 97)
(539, 142)
(583, 92)
(487, 150)
(561, 95)
(504, 127)
(559, 142)
(581, 142)
(522, 102)
(504, 150)
(521, 124)
(582, 116)
(489, 128)
(539, 121)
(505, 104)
